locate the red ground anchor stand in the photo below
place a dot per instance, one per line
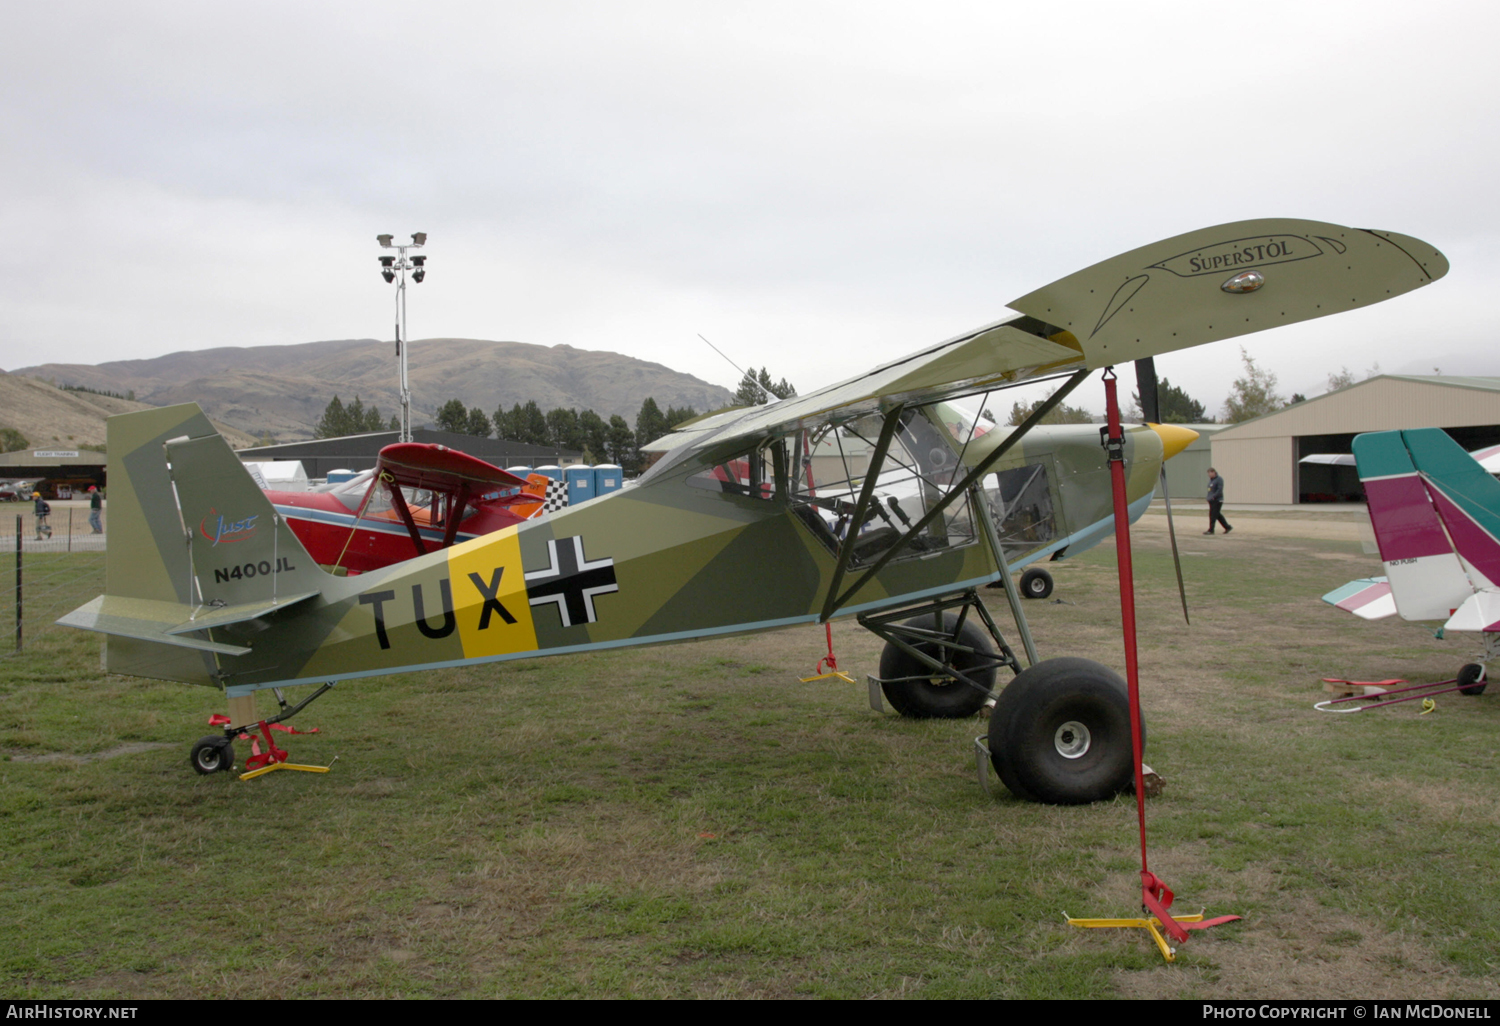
(274, 757)
(833, 663)
(1156, 896)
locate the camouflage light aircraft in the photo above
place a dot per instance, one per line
(890, 497)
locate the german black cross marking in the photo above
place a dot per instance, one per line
(570, 581)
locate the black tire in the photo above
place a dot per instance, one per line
(937, 696)
(1036, 583)
(1471, 679)
(1060, 733)
(212, 754)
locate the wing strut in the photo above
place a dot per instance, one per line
(835, 600)
(846, 549)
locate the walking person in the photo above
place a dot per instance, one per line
(96, 505)
(1216, 502)
(42, 511)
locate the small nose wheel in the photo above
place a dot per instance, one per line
(212, 754)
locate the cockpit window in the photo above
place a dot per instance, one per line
(1021, 508)
(828, 467)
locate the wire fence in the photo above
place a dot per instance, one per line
(45, 577)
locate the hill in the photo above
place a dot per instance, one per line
(283, 390)
(52, 417)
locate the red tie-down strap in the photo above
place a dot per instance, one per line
(220, 720)
(833, 663)
(1157, 897)
(257, 758)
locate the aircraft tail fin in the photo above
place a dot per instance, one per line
(241, 551)
(1467, 499)
(176, 567)
(1426, 578)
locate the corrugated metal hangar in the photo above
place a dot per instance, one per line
(1258, 459)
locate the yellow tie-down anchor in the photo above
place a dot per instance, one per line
(262, 771)
(1151, 925)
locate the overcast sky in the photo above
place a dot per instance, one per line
(817, 187)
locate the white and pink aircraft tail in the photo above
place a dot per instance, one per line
(1436, 514)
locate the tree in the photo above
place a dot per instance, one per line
(781, 390)
(453, 416)
(1062, 413)
(749, 392)
(477, 423)
(1175, 406)
(756, 388)
(676, 416)
(1343, 379)
(650, 424)
(595, 436)
(340, 420)
(12, 440)
(1253, 395)
(562, 429)
(622, 448)
(333, 422)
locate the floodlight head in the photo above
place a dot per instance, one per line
(418, 259)
(389, 276)
(419, 274)
(419, 238)
(384, 240)
(386, 261)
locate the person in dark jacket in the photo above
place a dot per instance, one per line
(1216, 502)
(42, 510)
(96, 506)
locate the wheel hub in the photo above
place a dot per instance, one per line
(1072, 740)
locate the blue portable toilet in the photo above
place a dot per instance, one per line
(580, 484)
(608, 477)
(518, 471)
(552, 470)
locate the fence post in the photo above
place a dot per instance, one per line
(18, 582)
(70, 528)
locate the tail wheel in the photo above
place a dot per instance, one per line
(935, 695)
(1471, 679)
(212, 754)
(1036, 583)
(1060, 733)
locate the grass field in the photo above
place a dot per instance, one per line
(691, 821)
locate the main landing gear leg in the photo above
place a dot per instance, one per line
(940, 657)
(215, 753)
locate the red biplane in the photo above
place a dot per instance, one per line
(419, 498)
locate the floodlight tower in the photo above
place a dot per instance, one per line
(394, 268)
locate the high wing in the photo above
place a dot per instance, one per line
(1200, 287)
(439, 468)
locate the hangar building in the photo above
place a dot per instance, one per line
(1259, 458)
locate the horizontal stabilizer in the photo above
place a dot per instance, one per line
(209, 616)
(1480, 613)
(142, 619)
(1368, 598)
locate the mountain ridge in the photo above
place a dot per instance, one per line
(282, 390)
